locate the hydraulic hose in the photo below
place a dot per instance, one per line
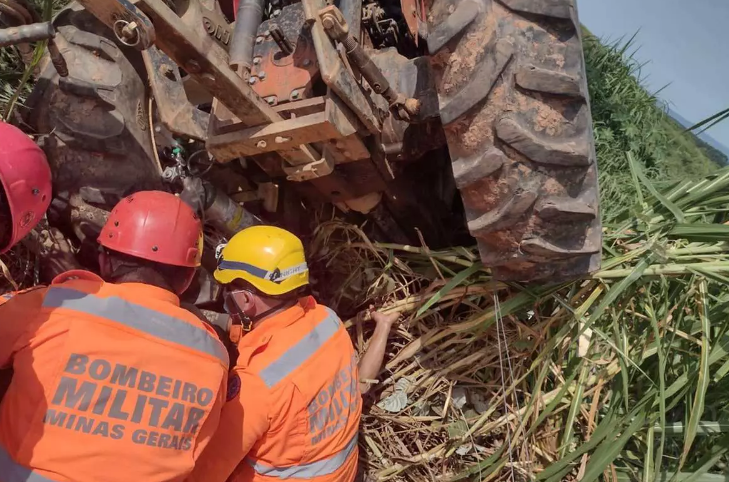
(247, 20)
(26, 33)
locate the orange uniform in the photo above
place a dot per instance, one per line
(293, 405)
(111, 382)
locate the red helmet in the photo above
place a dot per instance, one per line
(26, 179)
(156, 226)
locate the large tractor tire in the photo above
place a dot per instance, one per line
(514, 103)
(94, 123)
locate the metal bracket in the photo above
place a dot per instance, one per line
(312, 170)
(336, 27)
(335, 74)
(175, 111)
(203, 59)
(131, 26)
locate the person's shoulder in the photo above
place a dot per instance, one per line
(76, 275)
(78, 280)
(322, 311)
(32, 295)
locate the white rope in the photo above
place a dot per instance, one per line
(499, 328)
(501, 337)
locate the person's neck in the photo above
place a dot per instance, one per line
(149, 277)
(285, 305)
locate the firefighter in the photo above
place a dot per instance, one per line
(294, 398)
(112, 379)
(25, 187)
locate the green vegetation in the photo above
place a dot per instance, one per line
(627, 118)
(623, 376)
(620, 377)
(16, 78)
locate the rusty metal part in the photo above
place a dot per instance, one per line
(57, 59)
(209, 15)
(267, 192)
(332, 122)
(87, 145)
(118, 14)
(352, 13)
(26, 33)
(382, 30)
(414, 12)
(31, 33)
(363, 204)
(336, 27)
(349, 180)
(321, 168)
(301, 108)
(175, 111)
(334, 72)
(283, 43)
(207, 63)
(219, 31)
(281, 78)
(127, 33)
(19, 12)
(403, 141)
(247, 20)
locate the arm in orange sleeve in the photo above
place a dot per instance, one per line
(19, 316)
(243, 421)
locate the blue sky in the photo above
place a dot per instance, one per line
(686, 43)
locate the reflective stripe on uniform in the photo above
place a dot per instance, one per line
(14, 472)
(307, 471)
(295, 356)
(138, 317)
(6, 296)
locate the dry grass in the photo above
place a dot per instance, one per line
(571, 382)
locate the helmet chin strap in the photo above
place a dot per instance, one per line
(247, 322)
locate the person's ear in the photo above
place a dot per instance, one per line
(250, 301)
(246, 301)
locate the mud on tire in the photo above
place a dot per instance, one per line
(514, 104)
(94, 123)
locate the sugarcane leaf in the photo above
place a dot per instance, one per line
(697, 409)
(713, 454)
(606, 453)
(701, 232)
(635, 167)
(711, 121)
(574, 410)
(661, 386)
(648, 457)
(615, 291)
(455, 281)
(605, 428)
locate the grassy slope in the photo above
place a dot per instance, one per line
(627, 118)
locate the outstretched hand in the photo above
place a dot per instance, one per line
(385, 319)
(371, 362)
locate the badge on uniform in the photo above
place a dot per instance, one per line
(233, 387)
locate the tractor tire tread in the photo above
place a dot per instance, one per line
(95, 121)
(515, 109)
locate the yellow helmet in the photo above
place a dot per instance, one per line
(270, 258)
